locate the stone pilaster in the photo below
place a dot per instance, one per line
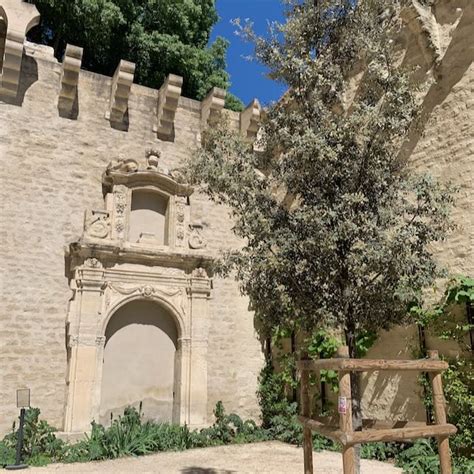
(85, 347)
(199, 294)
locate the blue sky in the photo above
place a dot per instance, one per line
(248, 78)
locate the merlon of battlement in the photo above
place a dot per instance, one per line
(168, 99)
(69, 79)
(250, 120)
(19, 17)
(120, 91)
(212, 106)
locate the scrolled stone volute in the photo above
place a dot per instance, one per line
(250, 120)
(168, 100)
(120, 91)
(19, 17)
(69, 79)
(212, 106)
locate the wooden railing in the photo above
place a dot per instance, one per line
(374, 430)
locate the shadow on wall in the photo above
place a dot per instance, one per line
(28, 76)
(144, 313)
(205, 470)
(456, 61)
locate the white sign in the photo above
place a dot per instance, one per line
(342, 405)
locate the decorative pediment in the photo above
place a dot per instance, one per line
(131, 173)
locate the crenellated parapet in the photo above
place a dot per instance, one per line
(69, 79)
(118, 96)
(19, 17)
(120, 91)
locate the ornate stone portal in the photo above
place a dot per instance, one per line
(108, 269)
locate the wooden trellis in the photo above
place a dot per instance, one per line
(373, 430)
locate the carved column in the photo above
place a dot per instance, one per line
(199, 293)
(85, 345)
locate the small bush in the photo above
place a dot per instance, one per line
(128, 435)
(7, 454)
(40, 445)
(420, 458)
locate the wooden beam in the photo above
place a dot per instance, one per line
(399, 434)
(345, 414)
(367, 365)
(387, 424)
(439, 404)
(307, 434)
(330, 431)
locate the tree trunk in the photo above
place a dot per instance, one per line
(350, 334)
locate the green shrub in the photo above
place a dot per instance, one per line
(381, 451)
(420, 458)
(7, 454)
(40, 445)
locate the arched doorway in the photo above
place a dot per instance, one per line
(139, 361)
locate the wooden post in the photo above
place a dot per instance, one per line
(307, 433)
(345, 413)
(439, 405)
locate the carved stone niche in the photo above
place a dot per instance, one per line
(145, 206)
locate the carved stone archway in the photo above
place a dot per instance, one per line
(107, 271)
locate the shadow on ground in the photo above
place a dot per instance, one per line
(204, 470)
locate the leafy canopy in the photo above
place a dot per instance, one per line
(337, 228)
(160, 36)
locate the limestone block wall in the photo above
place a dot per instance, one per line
(443, 146)
(51, 171)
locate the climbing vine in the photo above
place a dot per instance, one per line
(451, 319)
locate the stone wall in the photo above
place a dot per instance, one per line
(440, 45)
(51, 172)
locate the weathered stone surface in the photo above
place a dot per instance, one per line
(52, 172)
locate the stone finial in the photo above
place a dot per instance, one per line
(250, 120)
(168, 98)
(69, 78)
(212, 105)
(20, 17)
(121, 85)
(152, 158)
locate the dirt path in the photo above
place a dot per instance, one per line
(259, 458)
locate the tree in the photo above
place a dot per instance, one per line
(337, 229)
(161, 37)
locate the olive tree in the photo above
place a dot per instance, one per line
(337, 227)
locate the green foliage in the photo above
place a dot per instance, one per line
(7, 454)
(338, 230)
(161, 37)
(442, 319)
(128, 435)
(458, 383)
(447, 320)
(381, 451)
(279, 416)
(421, 458)
(40, 445)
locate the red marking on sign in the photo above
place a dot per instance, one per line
(342, 405)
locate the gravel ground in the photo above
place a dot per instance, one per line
(270, 457)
